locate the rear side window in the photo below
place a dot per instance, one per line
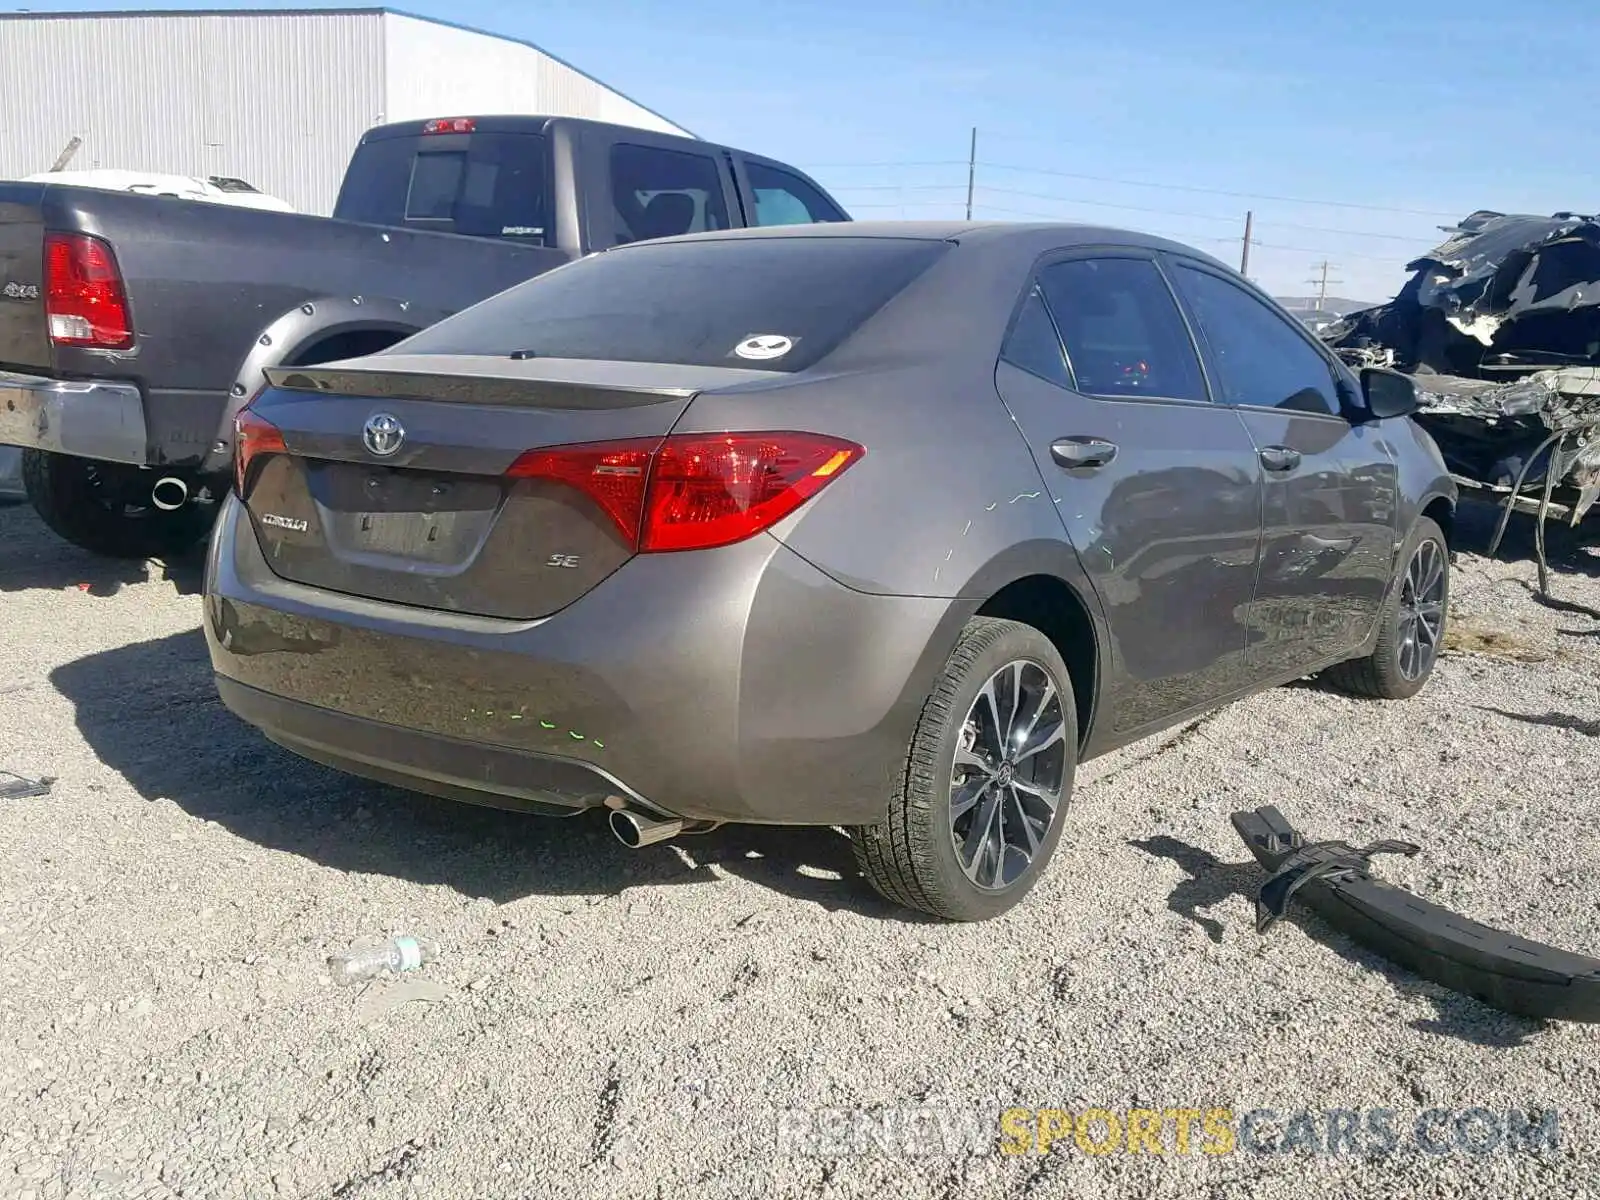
(1033, 345)
(1122, 329)
(1261, 359)
(477, 184)
(776, 304)
(783, 198)
(663, 193)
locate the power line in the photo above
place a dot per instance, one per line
(1184, 187)
(947, 162)
(1172, 187)
(1165, 212)
(1178, 237)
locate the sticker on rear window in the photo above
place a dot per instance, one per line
(764, 345)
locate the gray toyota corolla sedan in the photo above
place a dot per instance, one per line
(885, 526)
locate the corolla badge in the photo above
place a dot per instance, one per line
(383, 434)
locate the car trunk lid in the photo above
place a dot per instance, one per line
(432, 481)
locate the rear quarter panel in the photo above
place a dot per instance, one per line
(946, 485)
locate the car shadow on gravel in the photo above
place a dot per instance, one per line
(32, 558)
(1211, 881)
(150, 712)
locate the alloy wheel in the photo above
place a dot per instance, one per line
(1421, 614)
(1008, 773)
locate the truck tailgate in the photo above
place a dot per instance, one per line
(24, 332)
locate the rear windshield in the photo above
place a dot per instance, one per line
(477, 184)
(772, 303)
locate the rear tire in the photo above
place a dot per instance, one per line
(105, 508)
(1010, 804)
(1402, 662)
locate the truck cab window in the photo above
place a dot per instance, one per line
(783, 198)
(662, 193)
(478, 184)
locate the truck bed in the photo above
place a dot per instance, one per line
(202, 280)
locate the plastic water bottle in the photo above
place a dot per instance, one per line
(393, 957)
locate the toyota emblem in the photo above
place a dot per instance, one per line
(383, 434)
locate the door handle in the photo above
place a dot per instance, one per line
(1279, 458)
(1071, 452)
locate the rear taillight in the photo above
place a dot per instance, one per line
(84, 297)
(450, 125)
(253, 437)
(695, 491)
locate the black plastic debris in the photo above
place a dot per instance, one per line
(20, 787)
(1334, 880)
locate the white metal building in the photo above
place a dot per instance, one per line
(276, 98)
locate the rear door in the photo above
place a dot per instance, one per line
(1158, 487)
(1330, 486)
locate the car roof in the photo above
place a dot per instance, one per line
(1028, 237)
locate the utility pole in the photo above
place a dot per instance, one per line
(1322, 281)
(972, 169)
(1244, 259)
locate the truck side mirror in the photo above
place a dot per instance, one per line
(1388, 393)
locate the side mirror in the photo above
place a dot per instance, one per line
(1388, 393)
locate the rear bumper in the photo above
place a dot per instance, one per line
(444, 766)
(87, 418)
(738, 684)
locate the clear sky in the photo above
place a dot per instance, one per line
(1352, 128)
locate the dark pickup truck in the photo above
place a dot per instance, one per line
(132, 328)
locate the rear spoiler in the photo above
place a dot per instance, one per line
(472, 387)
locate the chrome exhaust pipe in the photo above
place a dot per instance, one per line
(169, 494)
(635, 830)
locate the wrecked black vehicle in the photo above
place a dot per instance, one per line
(1500, 326)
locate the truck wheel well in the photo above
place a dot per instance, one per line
(352, 343)
(1052, 607)
(1443, 514)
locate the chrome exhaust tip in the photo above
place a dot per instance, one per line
(169, 494)
(635, 830)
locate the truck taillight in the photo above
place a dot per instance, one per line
(450, 125)
(253, 437)
(695, 491)
(84, 296)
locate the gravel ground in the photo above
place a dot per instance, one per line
(611, 1024)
